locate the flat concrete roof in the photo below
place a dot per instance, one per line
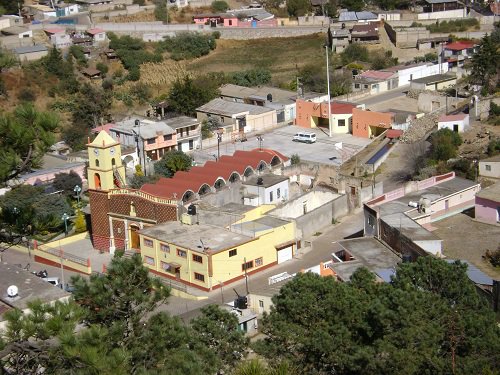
(30, 288)
(368, 252)
(222, 216)
(186, 236)
(181, 122)
(259, 225)
(435, 78)
(226, 108)
(267, 180)
(491, 193)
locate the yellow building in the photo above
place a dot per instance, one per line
(204, 256)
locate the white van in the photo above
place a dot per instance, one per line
(53, 280)
(305, 137)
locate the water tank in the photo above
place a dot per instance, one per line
(192, 210)
(269, 97)
(260, 181)
(241, 302)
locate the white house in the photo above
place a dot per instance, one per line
(20, 31)
(98, 35)
(457, 123)
(61, 40)
(490, 167)
(64, 10)
(266, 189)
(407, 73)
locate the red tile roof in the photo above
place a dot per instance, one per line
(339, 108)
(95, 31)
(459, 117)
(55, 30)
(459, 46)
(196, 177)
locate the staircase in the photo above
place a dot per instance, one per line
(129, 254)
(118, 178)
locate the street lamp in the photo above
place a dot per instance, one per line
(219, 133)
(16, 211)
(77, 189)
(65, 217)
(260, 139)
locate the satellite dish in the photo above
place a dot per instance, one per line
(12, 291)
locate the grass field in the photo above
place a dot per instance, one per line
(282, 56)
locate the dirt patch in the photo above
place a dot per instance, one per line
(464, 238)
(476, 139)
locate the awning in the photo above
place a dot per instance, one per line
(167, 266)
(284, 245)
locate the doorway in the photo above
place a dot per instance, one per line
(134, 237)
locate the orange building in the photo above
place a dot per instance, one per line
(314, 115)
(370, 123)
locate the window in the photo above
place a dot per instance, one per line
(181, 253)
(97, 163)
(113, 162)
(278, 193)
(371, 221)
(488, 167)
(197, 258)
(191, 144)
(233, 252)
(167, 137)
(259, 262)
(356, 85)
(270, 196)
(341, 122)
(165, 248)
(199, 277)
(230, 22)
(151, 141)
(247, 265)
(149, 260)
(148, 242)
(261, 304)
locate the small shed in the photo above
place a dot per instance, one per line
(20, 31)
(434, 83)
(91, 73)
(110, 54)
(97, 35)
(457, 123)
(31, 53)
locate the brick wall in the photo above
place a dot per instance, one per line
(99, 208)
(399, 242)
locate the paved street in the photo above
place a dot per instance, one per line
(386, 96)
(323, 151)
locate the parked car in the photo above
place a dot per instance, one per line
(305, 137)
(53, 280)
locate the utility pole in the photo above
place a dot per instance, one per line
(328, 88)
(246, 276)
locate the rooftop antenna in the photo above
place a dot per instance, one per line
(202, 245)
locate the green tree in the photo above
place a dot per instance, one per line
(486, 64)
(188, 45)
(171, 162)
(444, 144)
(218, 330)
(67, 182)
(252, 77)
(219, 6)
(25, 135)
(11, 7)
(353, 5)
(78, 55)
(103, 68)
(187, 94)
(138, 180)
(92, 107)
(355, 52)
(428, 320)
(161, 10)
(297, 8)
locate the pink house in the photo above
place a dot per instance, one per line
(207, 19)
(488, 204)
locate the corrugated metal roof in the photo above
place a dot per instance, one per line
(357, 16)
(226, 108)
(30, 49)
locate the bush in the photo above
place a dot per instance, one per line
(187, 45)
(103, 68)
(354, 52)
(219, 6)
(252, 77)
(444, 144)
(141, 92)
(78, 55)
(493, 257)
(216, 34)
(26, 95)
(459, 25)
(107, 84)
(493, 147)
(295, 159)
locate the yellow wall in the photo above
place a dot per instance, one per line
(341, 129)
(188, 266)
(256, 213)
(227, 268)
(105, 155)
(224, 267)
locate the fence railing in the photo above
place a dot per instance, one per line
(64, 255)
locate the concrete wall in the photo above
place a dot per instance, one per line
(445, 14)
(406, 75)
(312, 200)
(494, 168)
(405, 37)
(429, 102)
(487, 210)
(32, 56)
(229, 194)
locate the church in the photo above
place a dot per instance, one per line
(118, 213)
